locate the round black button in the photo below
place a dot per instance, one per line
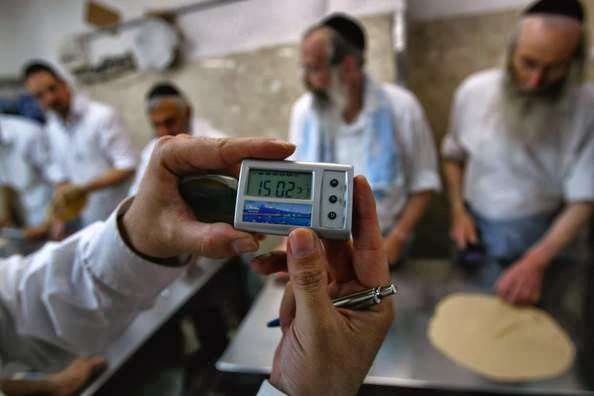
(332, 215)
(334, 182)
(332, 199)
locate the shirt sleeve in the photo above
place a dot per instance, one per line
(579, 185)
(419, 155)
(451, 145)
(116, 143)
(82, 293)
(267, 389)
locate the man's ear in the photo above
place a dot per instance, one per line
(189, 114)
(348, 67)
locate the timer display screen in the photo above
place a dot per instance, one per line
(279, 184)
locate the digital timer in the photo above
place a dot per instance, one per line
(274, 197)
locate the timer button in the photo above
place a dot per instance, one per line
(331, 215)
(332, 199)
(334, 182)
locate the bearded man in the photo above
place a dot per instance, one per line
(379, 128)
(519, 155)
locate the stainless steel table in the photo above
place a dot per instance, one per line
(406, 358)
(149, 321)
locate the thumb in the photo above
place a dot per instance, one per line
(307, 271)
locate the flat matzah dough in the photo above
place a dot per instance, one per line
(500, 341)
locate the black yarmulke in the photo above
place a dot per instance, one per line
(568, 8)
(164, 88)
(347, 27)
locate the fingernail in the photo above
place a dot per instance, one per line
(244, 245)
(302, 243)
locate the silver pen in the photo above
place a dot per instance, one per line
(356, 301)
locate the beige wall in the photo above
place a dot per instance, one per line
(441, 53)
(243, 94)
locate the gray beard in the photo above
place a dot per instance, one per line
(334, 99)
(527, 116)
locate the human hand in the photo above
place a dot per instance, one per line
(324, 349)
(36, 232)
(521, 283)
(68, 201)
(463, 229)
(68, 381)
(160, 224)
(68, 192)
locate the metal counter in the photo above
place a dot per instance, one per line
(144, 326)
(406, 357)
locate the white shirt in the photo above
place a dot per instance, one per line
(73, 298)
(23, 158)
(505, 179)
(417, 154)
(86, 146)
(199, 128)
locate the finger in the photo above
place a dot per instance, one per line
(307, 271)
(471, 235)
(270, 263)
(501, 286)
(213, 240)
(458, 238)
(287, 308)
(510, 292)
(525, 294)
(183, 154)
(340, 259)
(369, 258)
(513, 293)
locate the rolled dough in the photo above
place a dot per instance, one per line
(500, 341)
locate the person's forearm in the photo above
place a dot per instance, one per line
(4, 206)
(108, 179)
(410, 216)
(454, 175)
(27, 387)
(563, 230)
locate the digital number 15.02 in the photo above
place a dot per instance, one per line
(281, 190)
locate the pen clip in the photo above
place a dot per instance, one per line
(365, 298)
(357, 301)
